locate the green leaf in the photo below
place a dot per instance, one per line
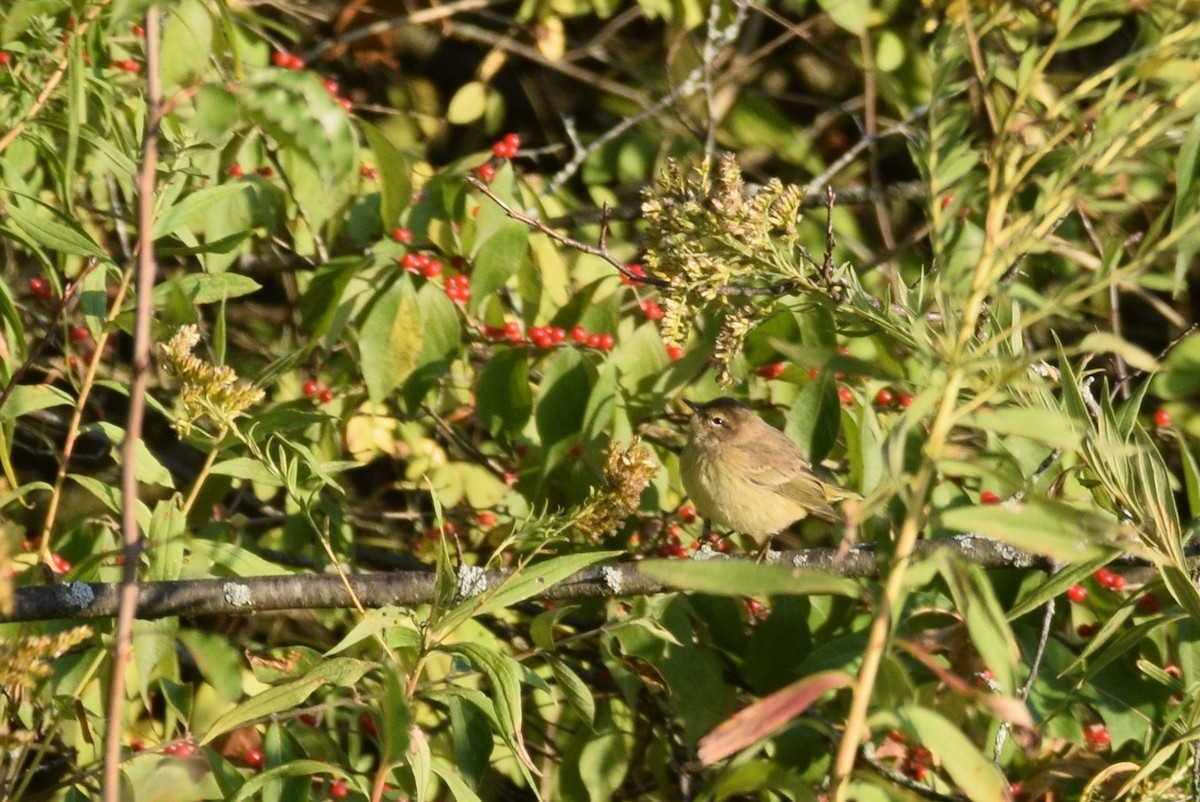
(341, 672)
(395, 620)
(987, 625)
(504, 676)
(1039, 527)
(1107, 342)
(64, 237)
(235, 560)
(562, 400)
(395, 176)
(498, 258)
(523, 583)
(849, 15)
(576, 691)
(294, 108)
(390, 339)
(468, 103)
(26, 398)
(725, 577)
(504, 399)
(977, 776)
(1043, 425)
(450, 775)
(192, 205)
(205, 288)
(147, 468)
(187, 43)
(323, 297)
(814, 419)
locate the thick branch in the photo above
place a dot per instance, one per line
(249, 595)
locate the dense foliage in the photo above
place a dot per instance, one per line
(428, 292)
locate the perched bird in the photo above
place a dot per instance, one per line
(745, 474)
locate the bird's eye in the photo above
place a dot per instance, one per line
(717, 420)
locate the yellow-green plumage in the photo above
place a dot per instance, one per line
(746, 475)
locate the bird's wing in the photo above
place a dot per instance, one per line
(776, 464)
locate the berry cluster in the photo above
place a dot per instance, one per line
(507, 147)
(315, 388)
(1097, 737)
(331, 86)
(458, 288)
(183, 749)
(651, 309)
(287, 61)
(421, 263)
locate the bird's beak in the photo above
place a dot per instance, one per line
(694, 407)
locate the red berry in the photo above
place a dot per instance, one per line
(579, 334)
(652, 310)
(366, 723)
(607, 341)
(40, 288)
(576, 450)
(1086, 630)
(79, 334)
(947, 200)
(905, 400)
(485, 172)
(1097, 736)
(129, 66)
(254, 757)
(279, 59)
(402, 234)
(338, 789)
(309, 718)
(510, 478)
(846, 397)
(687, 514)
(772, 371)
(1105, 577)
(346, 103)
(294, 63)
(674, 352)
(265, 171)
(186, 750)
(236, 170)
(885, 397)
(1077, 593)
(558, 335)
(1149, 605)
(5, 58)
(369, 173)
(486, 519)
(1162, 417)
(311, 388)
(326, 395)
(512, 330)
(755, 608)
(988, 497)
(331, 86)
(432, 268)
(632, 272)
(1117, 583)
(59, 564)
(593, 341)
(139, 31)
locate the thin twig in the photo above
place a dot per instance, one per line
(695, 81)
(127, 611)
(563, 239)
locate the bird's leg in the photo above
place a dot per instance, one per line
(764, 551)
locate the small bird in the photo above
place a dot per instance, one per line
(745, 474)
